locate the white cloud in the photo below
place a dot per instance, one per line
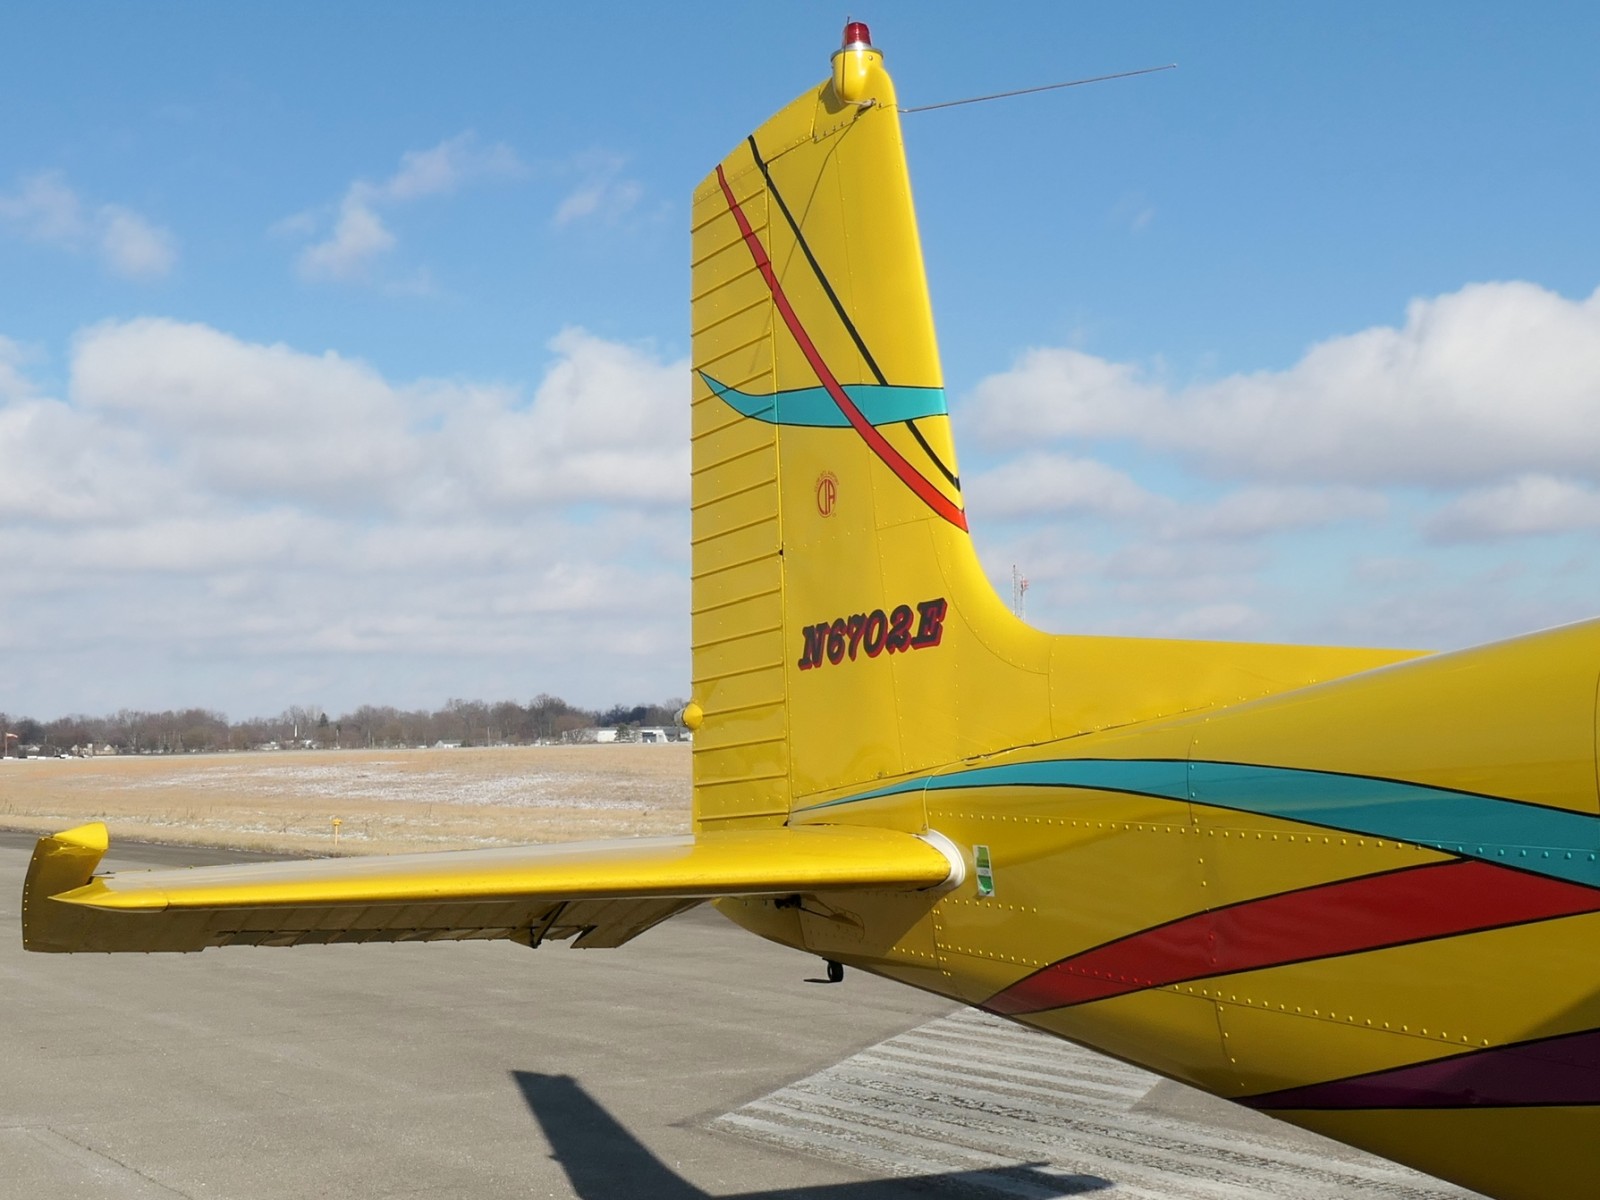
(58, 465)
(133, 247)
(602, 192)
(219, 541)
(13, 383)
(1490, 381)
(184, 378)
(608, 199)
(238, 421)
(201, 517)
(1226, 621)
(445, 167)
(1529, 504)
(360, 237)
(45, 209)
(608, 423)
(1042, 483)
(1185, 571)
(1059, 392)
(248, 420)
(295, 225)
(1310, 504)
(1260, 511)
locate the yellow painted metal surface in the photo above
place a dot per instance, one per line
(1512, 1152)
(475, 893)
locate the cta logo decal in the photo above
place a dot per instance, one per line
(827, 493)
(873, 633)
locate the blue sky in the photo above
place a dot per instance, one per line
(1308, 325)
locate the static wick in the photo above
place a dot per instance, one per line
(1048, 87)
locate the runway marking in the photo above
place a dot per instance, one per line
(974, 1093)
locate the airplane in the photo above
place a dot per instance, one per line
(1355, 889)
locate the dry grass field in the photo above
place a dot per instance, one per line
(386, 800)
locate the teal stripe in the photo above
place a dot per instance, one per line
(1548, 841)
(1167, 780)
(880, 404)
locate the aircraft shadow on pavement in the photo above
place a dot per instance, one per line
(603, 1160)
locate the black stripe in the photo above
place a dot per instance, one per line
(955, 481)
(838, 307)
(816, 268)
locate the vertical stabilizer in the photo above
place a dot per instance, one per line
(829, 531)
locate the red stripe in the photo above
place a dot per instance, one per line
(892, 458)
(1347, 917)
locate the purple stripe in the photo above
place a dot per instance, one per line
(1550, 1071)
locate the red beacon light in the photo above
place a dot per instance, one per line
(857, 36)
(853, 64)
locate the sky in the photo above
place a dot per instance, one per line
(343, 348)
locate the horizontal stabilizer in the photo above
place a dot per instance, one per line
(600, 893)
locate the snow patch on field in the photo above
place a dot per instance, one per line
(399, 785)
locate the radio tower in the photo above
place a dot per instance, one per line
(1019, 593)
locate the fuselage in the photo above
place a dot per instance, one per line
(1371, 907)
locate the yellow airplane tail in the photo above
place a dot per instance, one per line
(843, 629)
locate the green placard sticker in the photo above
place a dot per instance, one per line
(985, 873)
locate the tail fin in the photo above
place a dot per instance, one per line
(843, 630)
(825, 485)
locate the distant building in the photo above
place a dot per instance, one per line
(589, 737)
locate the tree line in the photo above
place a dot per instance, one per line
(545, 718)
